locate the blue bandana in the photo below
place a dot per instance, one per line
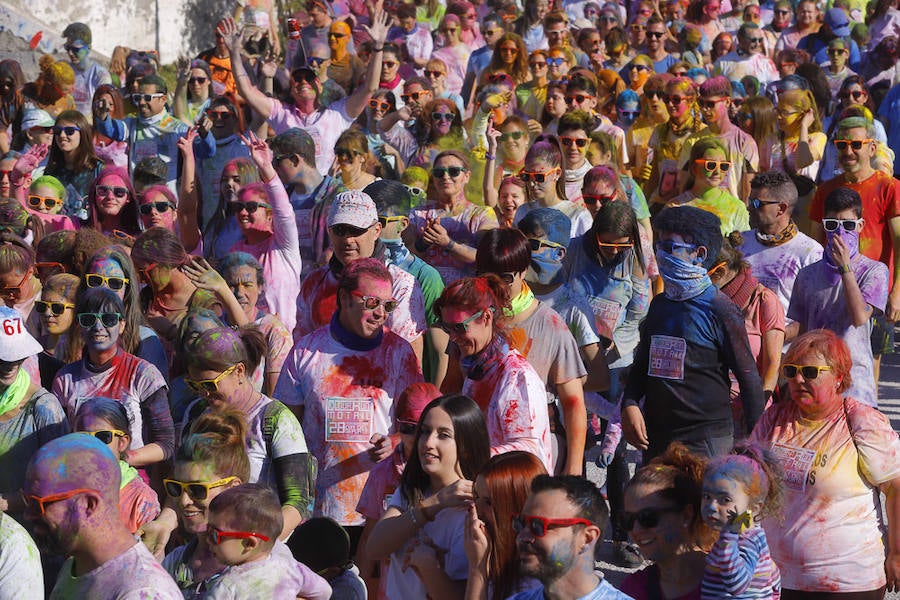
(683, 280)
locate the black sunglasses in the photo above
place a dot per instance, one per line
(648, 518)
(108, 320)
(236, 207)
(453, 172)
(69, 130)
(160, 207)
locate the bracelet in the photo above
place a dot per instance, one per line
(378, 49)
(449, 246)
(238, 76)
(844, 269)
(489, 156)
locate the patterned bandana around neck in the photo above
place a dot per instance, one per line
(682, 279)
(777, 239)
(480, 364)
(520, 303)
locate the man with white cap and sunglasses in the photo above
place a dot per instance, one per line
(354, 229)
(30, 416)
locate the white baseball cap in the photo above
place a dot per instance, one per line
(15, 342)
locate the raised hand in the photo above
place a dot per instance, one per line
(493, 134)
(183, 69)
(259, 150)
(204, 276)
(475, 539)
(186, 143)
(30, 160)
(269, 65)
(231, 35)
(381, 22)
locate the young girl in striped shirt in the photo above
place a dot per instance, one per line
(738, 489)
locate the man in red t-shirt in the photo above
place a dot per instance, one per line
(879, 238)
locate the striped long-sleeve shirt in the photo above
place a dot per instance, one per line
(741, 566)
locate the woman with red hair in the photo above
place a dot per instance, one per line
(501, 381)
(500, 491)
(837, 455)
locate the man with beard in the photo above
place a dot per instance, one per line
(556, 536)
(72, 498)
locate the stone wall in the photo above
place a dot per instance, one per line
(173, 27)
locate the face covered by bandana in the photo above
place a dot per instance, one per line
(683, 280)
(546, 266)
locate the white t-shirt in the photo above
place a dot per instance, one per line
(446, 533)
(347, 396)
(21, 576)
(776, 267)
(829, 534)
(133, 575)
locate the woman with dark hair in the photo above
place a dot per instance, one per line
(705, 15)
(538, 332)
(554, 105)
(107, 420)
(442, 129)
(11, 82)
(19, 285)
(269, 228)
(351, 152)
(545, 182)
(663, 516)
(73, 161)
(111, 267)
(228, 125)
(509, 57)
(390, 161)
(503, 383)
(530, 25)
(500, 491)
(220, 231)
(108, 150)
(444, 232)
(158, 257)
(57, 313)
(451, 447)
(106, 370)
(193, 90)
(762, 311)
(112, 203)
(220, 365)
(532, 94)
(608, 268)
(830, 541)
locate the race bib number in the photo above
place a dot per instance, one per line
(606, 314)
(667, 357)
(303, 218)
(349, 419)
(795, 463)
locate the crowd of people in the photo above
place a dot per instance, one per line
(341, 307)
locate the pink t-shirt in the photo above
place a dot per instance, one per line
(829, 536)
(514, 401)
(279, 256)
(347, 396)
(324, 126)
(138, 504)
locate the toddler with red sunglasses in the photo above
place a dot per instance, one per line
(243, 528)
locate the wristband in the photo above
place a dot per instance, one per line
(378, 49)
(489, 156)
(449, 246)
(844, 269)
